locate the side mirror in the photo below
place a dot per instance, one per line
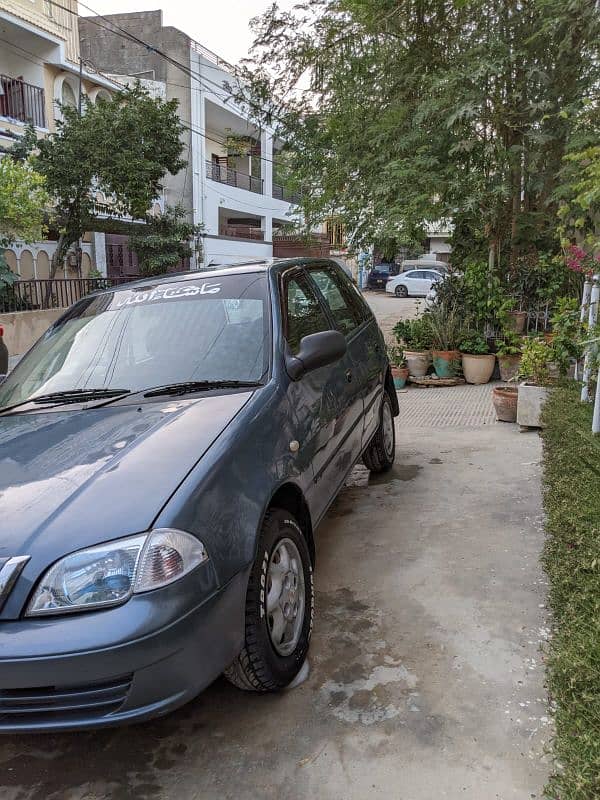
(316, 350)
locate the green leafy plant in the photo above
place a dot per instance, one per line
(446, 327)
(164, 242)
(537, 354)
(414, 334)
(396, 356)
(473, 343)
(568, 333)
(510, 345)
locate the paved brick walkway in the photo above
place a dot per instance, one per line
(447, 407)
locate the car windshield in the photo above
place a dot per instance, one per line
(203, 329)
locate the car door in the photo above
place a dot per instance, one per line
(365, 343)
(363, 374)
(422, 282)
(410, 280)
(320, 400)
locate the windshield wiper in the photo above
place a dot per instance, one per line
(70, 396)
(198, 386)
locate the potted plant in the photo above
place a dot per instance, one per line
(477, 361)
(415, 337)
(508, 351)
(505, 400)
(446, 332)
(535, 380)
(398, 366)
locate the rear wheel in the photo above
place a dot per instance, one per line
(401, 291)
(381, 452)
(279, 608)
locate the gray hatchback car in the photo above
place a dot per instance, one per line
(167, 450)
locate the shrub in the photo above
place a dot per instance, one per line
(414, 334)
(474, 343)
(534, 361)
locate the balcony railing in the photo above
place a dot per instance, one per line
(22, 101)
(231, 177)
(39, 295)
(242, 232)
(281, 193)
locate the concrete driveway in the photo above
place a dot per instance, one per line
(425, 680)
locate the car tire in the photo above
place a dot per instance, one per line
(268, 661)
(401, 291)
(381, 451)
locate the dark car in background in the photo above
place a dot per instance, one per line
(380, 275)
(167, 451)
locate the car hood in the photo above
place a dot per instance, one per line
(70, 479)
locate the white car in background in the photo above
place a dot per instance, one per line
(414, 282)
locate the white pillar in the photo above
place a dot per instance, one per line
(99, 252)
(266, 153)
(591, 348)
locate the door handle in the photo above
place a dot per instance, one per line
(349, 375)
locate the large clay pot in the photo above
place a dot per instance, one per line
(418, 362)
(509, 367)
(445, 362)
(400, 376)
(478, 369)
(504, 399)
(530, 404)
(517, 320)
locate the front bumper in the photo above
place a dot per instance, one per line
(151, 655)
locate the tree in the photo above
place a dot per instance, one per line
(23, 201)
(578, 191)
(398, 114)
(123, 147)
(164, 242)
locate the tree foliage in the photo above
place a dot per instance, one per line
(23, 201)
(123, 147)
(164, 242)
(398, 114)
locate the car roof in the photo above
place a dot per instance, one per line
(218, 271)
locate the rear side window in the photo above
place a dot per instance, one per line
(345, 306)
(303, 312)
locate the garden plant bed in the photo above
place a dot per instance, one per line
(572, 562)
(432, 380)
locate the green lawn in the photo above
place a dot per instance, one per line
(572, 562)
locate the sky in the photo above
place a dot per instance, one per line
(220, 25)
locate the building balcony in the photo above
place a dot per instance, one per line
(22, 101)
(242, 232)
(281, 193)
(231, 177)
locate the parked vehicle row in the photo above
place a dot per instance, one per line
(167, 451)
(382, 275)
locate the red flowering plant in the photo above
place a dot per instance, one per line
(579, 260)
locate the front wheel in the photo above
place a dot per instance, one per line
(401, 291)
(381, 451)
(279, 608)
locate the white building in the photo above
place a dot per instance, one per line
(229, 186)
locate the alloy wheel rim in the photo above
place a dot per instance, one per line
(285, 597)
(388, 430)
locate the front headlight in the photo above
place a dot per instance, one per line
(110, 573)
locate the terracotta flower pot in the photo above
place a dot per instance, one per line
(504, 399)
(400, 376)
(478, 369)
(518, 320)
(444, 362)
(509, 367)
(418, 362)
